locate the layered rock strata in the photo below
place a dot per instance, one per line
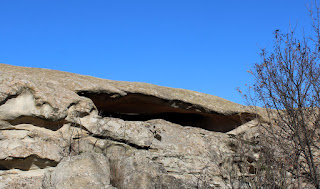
(63, 130)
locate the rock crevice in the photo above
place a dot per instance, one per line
(28, 163)
(53, 125)
(141, 107)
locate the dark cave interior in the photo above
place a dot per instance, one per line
(141, 107)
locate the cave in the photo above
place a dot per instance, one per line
(141, 107)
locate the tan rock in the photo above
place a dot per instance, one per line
(87, 170)
(63, 130)
(15, 178)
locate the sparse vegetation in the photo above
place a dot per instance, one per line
(287, 85)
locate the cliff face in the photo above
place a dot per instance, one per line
(63, 130)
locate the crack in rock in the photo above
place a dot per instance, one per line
(26, 163)
(53, 125)
(138, 147)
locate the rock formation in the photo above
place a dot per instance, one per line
(63, 130)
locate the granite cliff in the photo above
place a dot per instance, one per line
(64, 130)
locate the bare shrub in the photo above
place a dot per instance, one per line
(287, 85)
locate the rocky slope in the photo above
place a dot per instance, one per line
(63, 130)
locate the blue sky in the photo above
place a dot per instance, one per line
(201, 45)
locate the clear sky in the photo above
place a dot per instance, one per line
(201, 45)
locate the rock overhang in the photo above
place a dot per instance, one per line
(142, 107)
(48, 116)
(131, 101)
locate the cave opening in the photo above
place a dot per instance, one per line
(141, 107)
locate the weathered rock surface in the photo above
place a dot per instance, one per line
(63, 130)
(87, 170)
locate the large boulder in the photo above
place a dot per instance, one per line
(86, 170)
(63, 130)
